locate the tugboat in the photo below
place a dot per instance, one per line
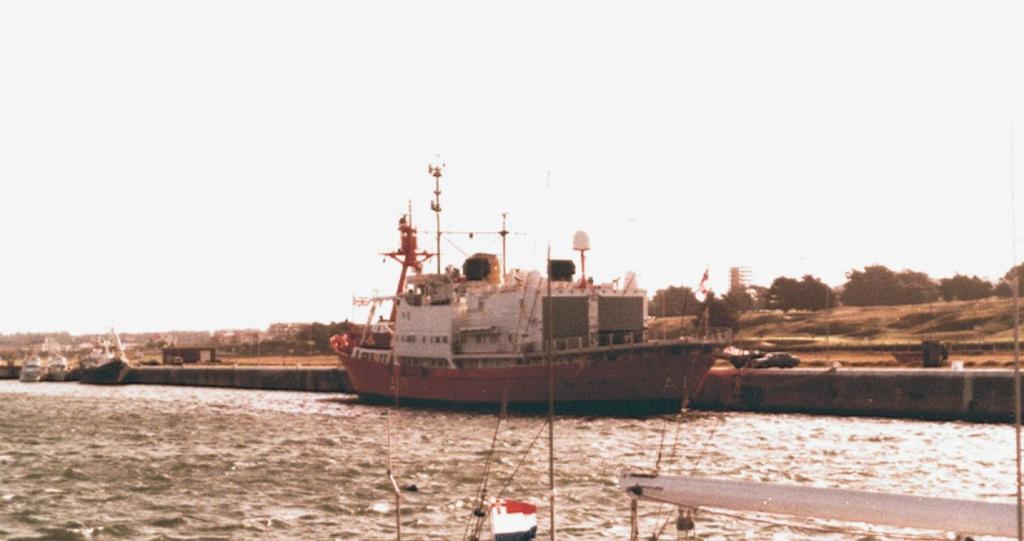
(58, 369)
(32, 370)
(477, 338)
(106, 366)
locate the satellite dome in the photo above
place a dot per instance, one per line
(580, 241)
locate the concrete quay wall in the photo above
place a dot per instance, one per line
(938, 394)
(313, 379)
(984, 395)
(10, 372)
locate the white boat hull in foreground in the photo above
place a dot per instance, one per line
(900, 510)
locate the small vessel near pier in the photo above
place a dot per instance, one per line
(106, 365)
(476, 335)
(33, 369)
(59, 369)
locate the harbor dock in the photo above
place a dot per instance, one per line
(273, 378)
(936, 394)
(10, 372)
(980, 395)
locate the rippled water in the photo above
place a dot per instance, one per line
(146, 462)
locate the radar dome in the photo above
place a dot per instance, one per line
(580, 241)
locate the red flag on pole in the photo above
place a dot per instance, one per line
(703, 287)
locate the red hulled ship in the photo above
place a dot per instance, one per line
(480, 336)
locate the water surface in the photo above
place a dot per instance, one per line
(177, 463)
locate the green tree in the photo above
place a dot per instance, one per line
(876, 285)
(319, 334)
(809, 293)
(720, 314)
(1008, 279)
(916, 288)
(965, 288)
(674, 301)
(740, 300)
(760, 295)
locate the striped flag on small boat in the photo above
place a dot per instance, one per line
(513, 521)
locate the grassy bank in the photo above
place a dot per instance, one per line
(980, 333)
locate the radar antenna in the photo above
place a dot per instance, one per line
(581, 243)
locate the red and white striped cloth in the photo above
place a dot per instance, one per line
(513, 521)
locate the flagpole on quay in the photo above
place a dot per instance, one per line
(551, 403)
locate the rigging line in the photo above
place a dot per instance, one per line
(675, 446)
(478, 514)
(456, 246)
(693, 469)
(677, 419)
(707, 443)
(661, 446)
(522, 460)
(675, 443)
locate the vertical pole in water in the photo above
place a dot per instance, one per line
(1016, 342)
(391, 475)
(1016, 391)
(549, 321)
(828, 327)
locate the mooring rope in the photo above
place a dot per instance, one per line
(475, 525)
(693, 469)
(522, 460)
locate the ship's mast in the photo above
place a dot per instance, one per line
(504, 233)
(435, 205)
(408, 254)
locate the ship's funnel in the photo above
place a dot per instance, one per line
(482, 268)
(561, 270)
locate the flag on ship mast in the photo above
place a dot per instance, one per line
(360, 301)
(513, 521)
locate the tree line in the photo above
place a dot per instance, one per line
(874, 285)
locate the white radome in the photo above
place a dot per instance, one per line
(581, 241)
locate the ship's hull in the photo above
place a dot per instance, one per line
(58, 375)
(109, 373)
(32, 374)
(615, 380)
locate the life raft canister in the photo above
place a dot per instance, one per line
(342, 344)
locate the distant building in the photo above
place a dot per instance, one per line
(739, 277)
(201, 354)
(286, 331)
(189, 338)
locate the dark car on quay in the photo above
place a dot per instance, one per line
(765, 360)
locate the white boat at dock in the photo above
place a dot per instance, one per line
(32, 370)
(59, 369)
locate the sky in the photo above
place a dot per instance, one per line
(228, 164)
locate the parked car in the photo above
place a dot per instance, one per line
(775, 360)
(175, 360)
